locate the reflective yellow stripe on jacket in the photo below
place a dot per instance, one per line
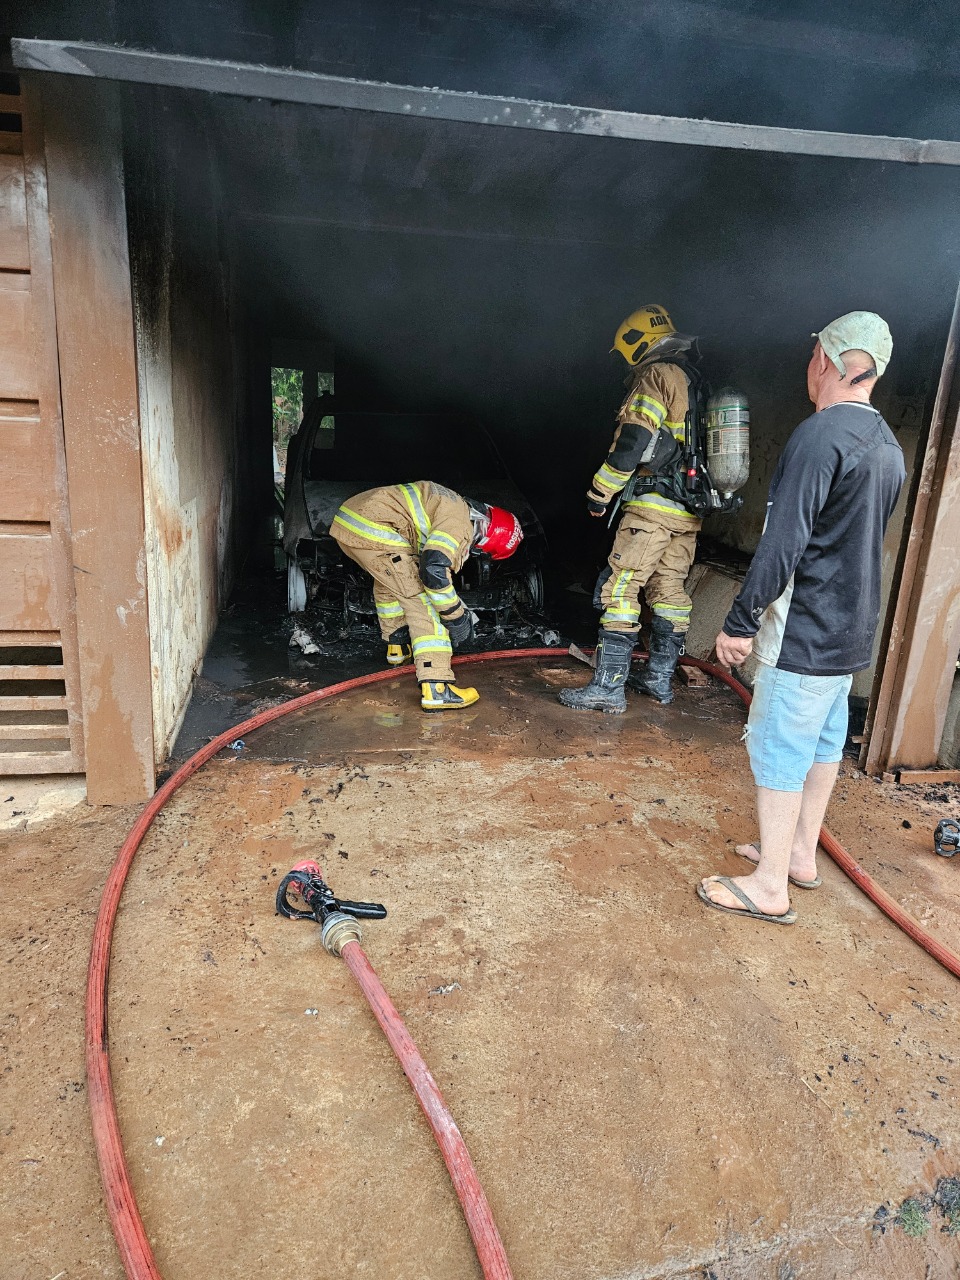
(657, 502)
(608, 480)
(369, 529)
(444, 600)
(651, 408)
(411, 496)
(442, 541)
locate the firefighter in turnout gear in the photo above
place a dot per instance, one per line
(657, 535)
(411, 538)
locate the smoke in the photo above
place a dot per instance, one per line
(468, 268)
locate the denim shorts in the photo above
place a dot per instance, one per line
(795, 722)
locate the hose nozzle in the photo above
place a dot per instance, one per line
(303, 894)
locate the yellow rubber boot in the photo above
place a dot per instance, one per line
(398, 654)
(438, 695)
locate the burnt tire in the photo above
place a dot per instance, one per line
(296, 587)
(532, 593)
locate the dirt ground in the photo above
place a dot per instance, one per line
(648, 1089)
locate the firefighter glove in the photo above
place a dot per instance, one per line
(460, 629)
(594, 507)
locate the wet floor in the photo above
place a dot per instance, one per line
(519, 715)
(252, 662)
(649, 1089)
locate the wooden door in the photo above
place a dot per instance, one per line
(41, 727)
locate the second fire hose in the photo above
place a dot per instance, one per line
(304, 895)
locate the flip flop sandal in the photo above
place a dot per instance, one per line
(751, 911)
(801, 884)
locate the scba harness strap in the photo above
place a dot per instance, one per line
(680, 473)
(664, 470)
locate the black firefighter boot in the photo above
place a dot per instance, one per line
(399, 649)
(666, 646)
(606, 691)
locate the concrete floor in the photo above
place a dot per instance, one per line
(649, 1089)
(27, 801)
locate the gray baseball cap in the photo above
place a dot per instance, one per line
(857, 331)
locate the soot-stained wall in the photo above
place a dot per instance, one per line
(190, 395)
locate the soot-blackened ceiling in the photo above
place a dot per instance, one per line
(878, 67)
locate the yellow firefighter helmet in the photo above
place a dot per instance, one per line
(642, 330)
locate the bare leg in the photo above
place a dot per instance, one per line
(817, 789)
(779, 814)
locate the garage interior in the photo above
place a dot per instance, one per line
(456, 267)
(403, 250)
(441, 266)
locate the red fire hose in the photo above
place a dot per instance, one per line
(128, 1228)
(486, 1238)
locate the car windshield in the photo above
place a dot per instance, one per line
(380, 447)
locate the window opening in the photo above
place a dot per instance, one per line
(325, 432)
(287, 397)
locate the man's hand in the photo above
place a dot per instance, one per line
(594, 507)
(732, 650)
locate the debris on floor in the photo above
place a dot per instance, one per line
(302, 639)
(261, 655)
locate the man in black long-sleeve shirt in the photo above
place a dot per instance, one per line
(809, 609)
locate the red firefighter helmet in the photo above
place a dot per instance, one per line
(503, 535)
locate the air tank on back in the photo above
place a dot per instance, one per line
(728, 439)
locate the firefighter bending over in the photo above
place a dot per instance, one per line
(657, 535)
(411, 538)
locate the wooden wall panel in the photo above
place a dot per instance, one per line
(908, 709)
(14, 242)
(18, 353)
(41, 728)
(26, 468)
(28, 596)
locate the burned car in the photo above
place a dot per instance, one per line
(336, 454)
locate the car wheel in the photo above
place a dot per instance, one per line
(296, 587)
(532, 587)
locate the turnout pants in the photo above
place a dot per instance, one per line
(401, 597)
(652, 552)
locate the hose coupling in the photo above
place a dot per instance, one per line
(946, 838)
(339, 929)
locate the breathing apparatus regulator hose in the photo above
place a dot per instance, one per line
(125, 1220)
